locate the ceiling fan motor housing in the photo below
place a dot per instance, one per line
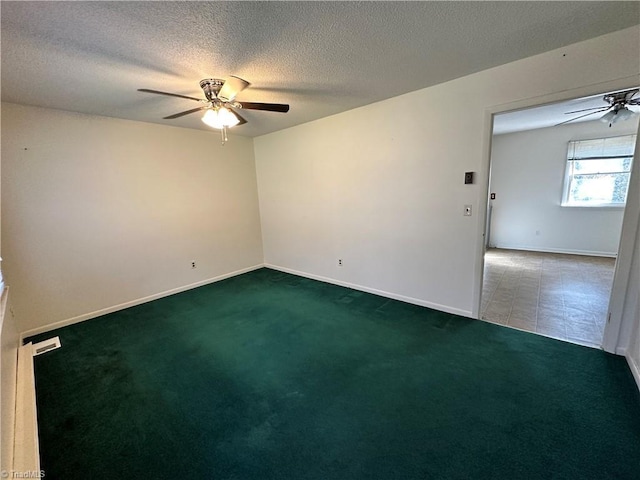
(619, 99)
(211, 87)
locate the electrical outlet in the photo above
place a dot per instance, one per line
(339, 262)
(193, 264)
(467, 210)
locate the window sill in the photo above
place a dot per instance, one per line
(601, 206)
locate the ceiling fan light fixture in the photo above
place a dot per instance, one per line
(624, 114)
(610, 117)
(219, 103)
(220, 118)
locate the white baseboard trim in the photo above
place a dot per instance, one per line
(568, 251)
(381, 293)
(133, 303)
(635, 370)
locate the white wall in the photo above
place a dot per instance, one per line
(98, 212)
(632, 313)
(527, 175)
(382, 186)
(626, 304)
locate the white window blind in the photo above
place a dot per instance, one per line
(598, 170)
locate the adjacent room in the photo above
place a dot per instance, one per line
(249, 240)
(558, 189)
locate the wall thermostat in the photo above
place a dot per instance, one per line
(468, 178)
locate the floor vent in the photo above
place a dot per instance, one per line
(46, 346)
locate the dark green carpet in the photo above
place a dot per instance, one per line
(272, 376)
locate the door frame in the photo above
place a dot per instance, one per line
(612, 341)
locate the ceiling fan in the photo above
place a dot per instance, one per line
(617, 109)
(220, 103)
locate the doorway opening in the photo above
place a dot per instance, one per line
(552, 234)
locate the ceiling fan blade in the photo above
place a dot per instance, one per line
(586, 110)
(187, 112)
(169, 94)
(240, 117)
(232, 87)
(580, 116)
(269, 107)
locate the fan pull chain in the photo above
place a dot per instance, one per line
(224, 135)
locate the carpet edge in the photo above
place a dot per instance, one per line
(133, 303)
(374, 291)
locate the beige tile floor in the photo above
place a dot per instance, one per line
(557, 295)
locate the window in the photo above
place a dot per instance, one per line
(598, 172)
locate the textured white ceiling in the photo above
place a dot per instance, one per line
(320, 57)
